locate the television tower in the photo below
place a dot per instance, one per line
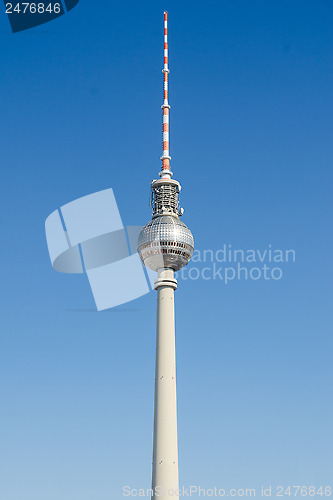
(165, 245)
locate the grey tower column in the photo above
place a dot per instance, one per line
(165, 452)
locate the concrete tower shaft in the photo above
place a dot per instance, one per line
(165, 448)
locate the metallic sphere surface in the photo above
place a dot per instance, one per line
(165, 242)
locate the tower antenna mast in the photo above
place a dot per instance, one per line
(166, 172)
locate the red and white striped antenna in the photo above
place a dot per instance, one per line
(165, 171)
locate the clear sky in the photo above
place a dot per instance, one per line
(251, 142)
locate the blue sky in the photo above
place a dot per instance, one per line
(251, 133)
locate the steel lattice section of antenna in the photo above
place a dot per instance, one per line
(166, 173)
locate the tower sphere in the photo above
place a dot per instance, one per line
(165, 242)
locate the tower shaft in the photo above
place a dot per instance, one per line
(165, 452)
(165, 245)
